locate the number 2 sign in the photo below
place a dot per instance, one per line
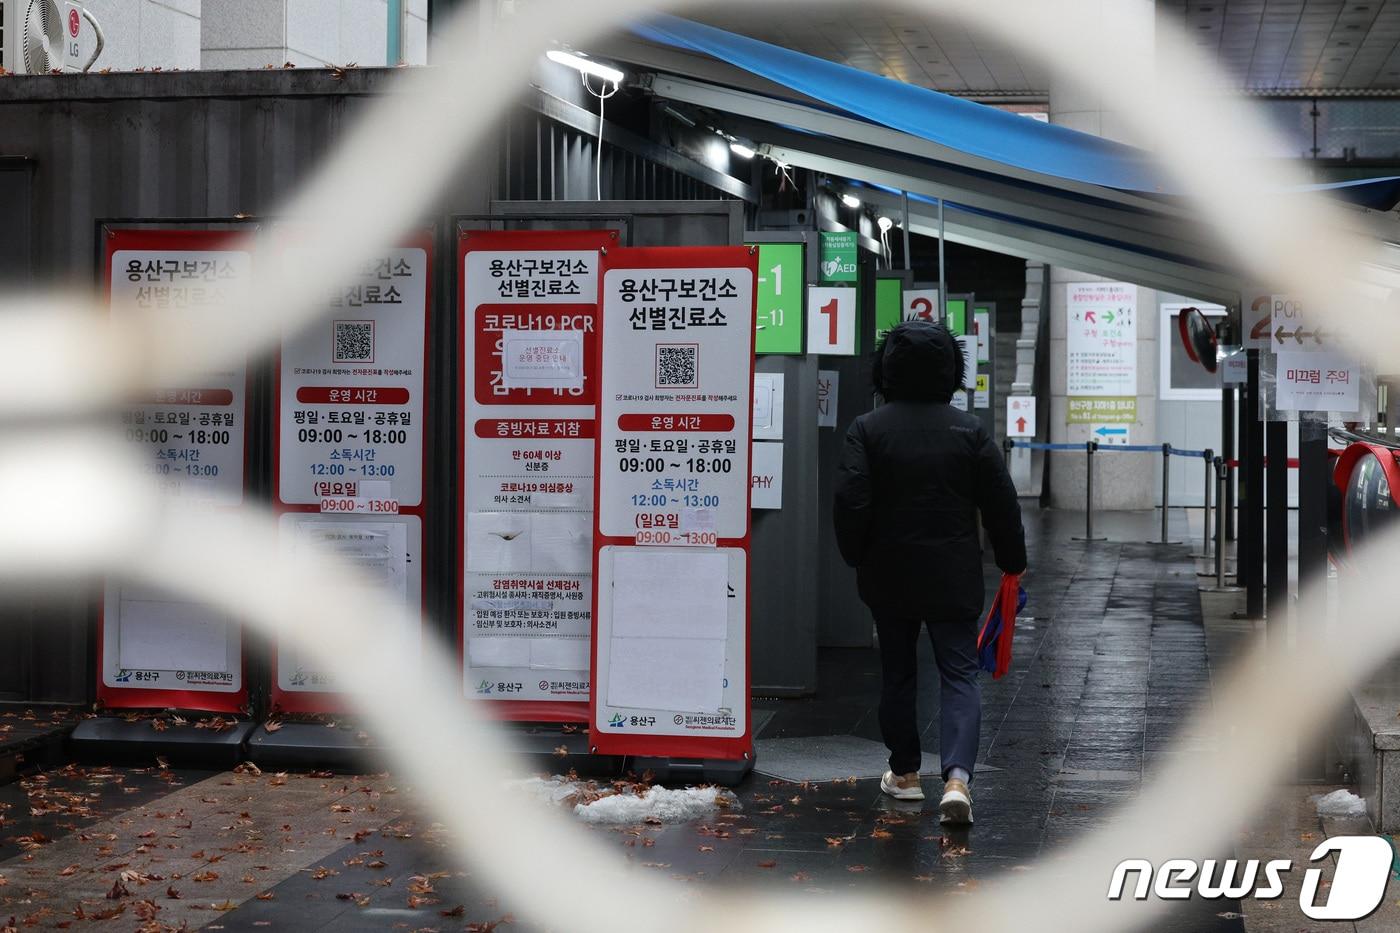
(831, 321)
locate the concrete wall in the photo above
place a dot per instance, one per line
(308, 33)
(1119, 480)
(240, 34)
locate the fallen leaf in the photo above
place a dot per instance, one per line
(272, 725)
(71, 869)
(171, 893)
(323, 872)
(457, 911)
(247, 767)
(882, 834)
(146, 910)
(561, 751)
(118, 891)
(856, 868)
(835, 840)
(206, 876)
(768, 863)
(266, 896)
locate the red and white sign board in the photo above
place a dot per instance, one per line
(529, 325)
(671, 538)
(156, 649)
(349, 453)
(831, 321)
(1020, 416)
(921, 304)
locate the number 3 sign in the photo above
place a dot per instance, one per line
(831, 321)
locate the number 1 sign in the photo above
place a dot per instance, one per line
(831, 321)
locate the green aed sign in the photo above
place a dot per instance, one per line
(838, 258)
(889, 306)
(778, 321)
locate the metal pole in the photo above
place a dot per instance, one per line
(1251, 553)
(1276, 535)
(942, 270)
(1089, 491)
(1166, 486)
(908, 256)
(1227, 452)
(1205, 504)
(1220, 485)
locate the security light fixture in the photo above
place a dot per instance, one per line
(850, 200)
(885, 223)
(739, 149)
(581, 62)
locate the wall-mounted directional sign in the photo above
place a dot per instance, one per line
(1109, 435)
(1289, 328)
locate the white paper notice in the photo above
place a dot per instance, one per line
(767, 476)
(670, 594)
(498, 542)
(828, 382)
(542, 359)
(969, 352)
(499, 652)
(560, 542)
(559, 654)
(673, 674)
(171, 635)
(1317, 381)
(768, 406)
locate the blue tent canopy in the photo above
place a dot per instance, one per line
(985, 132)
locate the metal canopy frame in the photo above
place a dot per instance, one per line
(1153, 242)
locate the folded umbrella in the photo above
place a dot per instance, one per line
(994, 641)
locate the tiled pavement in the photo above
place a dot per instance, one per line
(1110, 659)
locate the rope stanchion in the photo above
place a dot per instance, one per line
(1089, 448)
(1167, 451)
(1209, 475)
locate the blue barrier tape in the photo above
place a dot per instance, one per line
(1037, 445)
(1117, 448)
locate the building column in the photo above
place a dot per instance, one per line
(1119, 481)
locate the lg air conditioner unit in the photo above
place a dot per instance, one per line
(50, 37)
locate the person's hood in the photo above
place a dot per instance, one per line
(921, 361)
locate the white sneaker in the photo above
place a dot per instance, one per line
(956, 806)
(903, 786)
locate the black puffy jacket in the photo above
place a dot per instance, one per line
(914, 474)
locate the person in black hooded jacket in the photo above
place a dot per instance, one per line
(913, 476)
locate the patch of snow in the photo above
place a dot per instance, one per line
(658, 803)
(604, 804)
(1339, 803)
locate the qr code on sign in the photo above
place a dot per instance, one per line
(354, 342)
(678, 365)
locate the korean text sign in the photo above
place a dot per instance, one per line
(351, 413)
(529, 310)
(155, 650)
(672, 522)
(1101, 332)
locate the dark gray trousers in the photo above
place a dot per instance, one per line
(960, 714)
